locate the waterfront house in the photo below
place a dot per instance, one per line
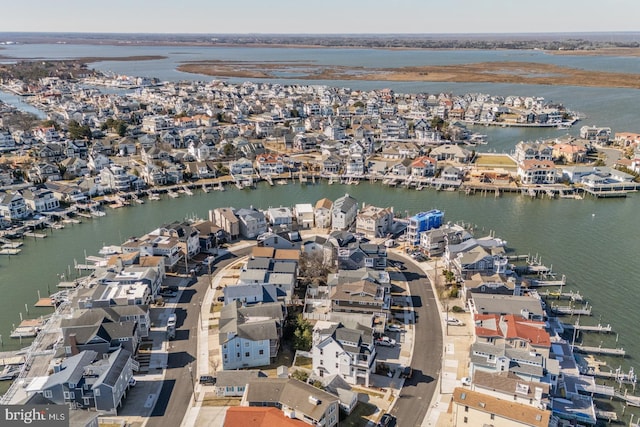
(304, 215)
(525, 306)
(269, 164)
(533, 151)
(201, 169)
(295, 398)
(402, 168)
(597, 135)
(424, 166)
(322, 213)
(97, 161)
(280, 219)
(423, 221)
(250, 335)
(209, 235)
(13, 206)
(374, 221)
(507, 386)
(490, 284)
(167, 247)
(42, 172)
(187, 235)
(338, 350)
(343, 212)
(331, 164)
(570, 152)
(99, 329)
(67, 192)
(241, 166)
(252, 222)
(226, 219)
(627, 139)
(115, 178)
(65, 386)
(234, 383)
(537, 172)
(472, 408)
(434, 241)
(40, 200)
(451, 152)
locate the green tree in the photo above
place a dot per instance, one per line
(49, 123)
(78, 131)
(449, 276)
(303, 335)
(300, 375)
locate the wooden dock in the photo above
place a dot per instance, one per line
(572, 296)
(600, 350)
(28, 328)
(44, 302)
(34, 234)
(585, 328)
(570, 310)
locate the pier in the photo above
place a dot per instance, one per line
(572, 296)
(600, 350)
(569, 310)
(584, 328)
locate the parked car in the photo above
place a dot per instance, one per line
(171, 320)
(387, 420)
(386, 342)
(207, 380)
(220, 298)
(452, 321)
(394, 328)
(132, 382)
(466, 381)
(407, 372)
(168, 294)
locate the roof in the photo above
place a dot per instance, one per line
(117, 363)
(324, 204)
(237, 378)
(289, 254)
(262, 252)
(291, 393)
(516, 412)
(71, 369)
(259, 417)
(508, 383)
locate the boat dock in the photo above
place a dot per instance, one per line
(34, 234)
(44, 302)
(585, 328)
(28, 328)
(570, 310)
(572, 296)
(600, 350)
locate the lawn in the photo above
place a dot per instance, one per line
(360, 415)
(494, 160)
(303, 362)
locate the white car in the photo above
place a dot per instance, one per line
(452, 321)
(394, 328)
(171, 320)
(386, 342)
(466, 381)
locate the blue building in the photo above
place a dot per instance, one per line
(422, 222)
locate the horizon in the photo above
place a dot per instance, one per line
(332, 17)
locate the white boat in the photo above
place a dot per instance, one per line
(96, 212)
(154, 196)
(172, 194)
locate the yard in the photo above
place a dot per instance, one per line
(493, 160)
(361, 415)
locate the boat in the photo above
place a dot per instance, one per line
(187, 191)
(172, 194)
(96, 212)
(110, 250)
(282, 182)
(154, 196)
(10, 372)
(204, 188)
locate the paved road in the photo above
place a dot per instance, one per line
(179, 382)
(415, 397)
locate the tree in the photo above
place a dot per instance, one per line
(78, 131)
(300, 375)
(449, 276)
(303, 335)
(50, 123)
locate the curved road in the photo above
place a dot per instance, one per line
(415, 397)
(179, 381)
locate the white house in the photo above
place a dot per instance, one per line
(338, 350)
(343, 212)
(304, 215)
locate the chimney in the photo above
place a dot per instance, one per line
(73, 343)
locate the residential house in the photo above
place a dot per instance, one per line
(472, 408)
(234, 383)
(598, 135)
(252, 222)
(99, 329)
(373, 221)
(258, 417)
(304, 215)
(348, 353)
(13, 206)
(109, 380)
(227, 220)
(40, 200)
(537, 172)
(421, 222)
(250, 336)
(451, 152)
(322, 214)
(533, 151)
(295, 398)
(280, 219)
(343, 212)
(115, 178)
(424, 166)
(570, 152)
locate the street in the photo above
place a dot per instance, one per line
(415, 397)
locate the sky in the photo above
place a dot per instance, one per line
(319, 17)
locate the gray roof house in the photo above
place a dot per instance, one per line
(296, 399)
(250, 336)
(234, 383)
